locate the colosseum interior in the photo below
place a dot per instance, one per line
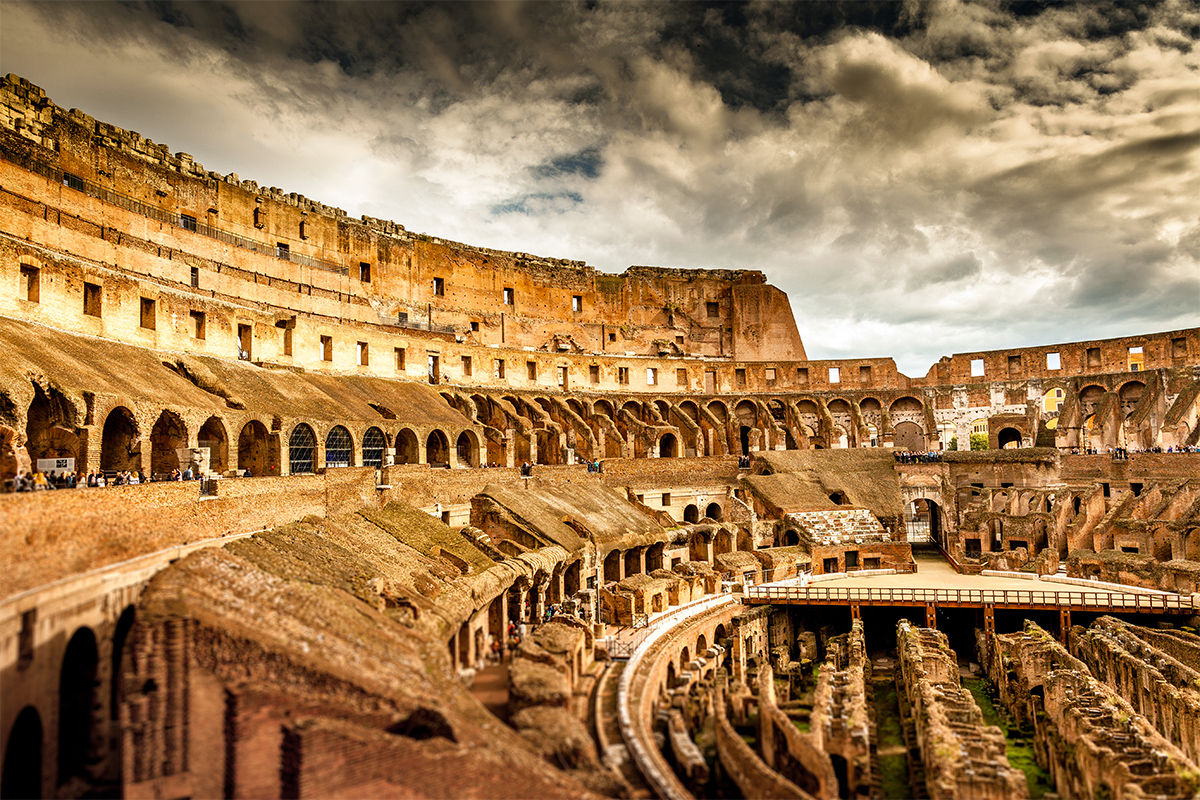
(485, 524)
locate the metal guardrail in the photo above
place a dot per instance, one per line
(162, 215)
(999, 597)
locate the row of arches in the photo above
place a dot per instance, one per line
(257, 448)
(80, 751)
(556, 430)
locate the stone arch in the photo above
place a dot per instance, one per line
(258, 449)
(22, 776)
(302, 446)
(166, 438)
(76, 707)
(1131, 393)
(339, 448)
(685, 656)
(1089, 398)
(467, 449)
(714, 512)
(119, 446)
(689, 408)
(612, 566)
(1008, 438)
(408, 447)
(373, 446)
(909, 436)
(691, 513)
(838, 437)
(654, 557)
(212, 435)
(701, 645)
(437, 449)
(668, 446)
(120, 644)
(50, 427)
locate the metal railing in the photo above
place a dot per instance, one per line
(162, 215)
(999, 597)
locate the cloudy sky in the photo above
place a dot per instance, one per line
(921, 178)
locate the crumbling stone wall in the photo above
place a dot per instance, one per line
(963, 757)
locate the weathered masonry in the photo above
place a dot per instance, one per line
(714, 567)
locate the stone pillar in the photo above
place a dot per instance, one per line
(533, 446)
(510, 449)
(285, 456)
(538, 611)
(389, 456)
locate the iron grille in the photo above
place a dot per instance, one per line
(300, 450)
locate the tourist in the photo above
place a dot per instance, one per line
(187, 473)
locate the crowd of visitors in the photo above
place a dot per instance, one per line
(743, 462)
(1123, 453)
(908, 457)
(35, 481)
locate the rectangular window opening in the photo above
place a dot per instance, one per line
(149, 318)
(283, 250)
(681, 377)
(364, 354)
(622, 375)
(1179, 348)
(364, 272)
(577, 303)
(30, 284)
(612, 337)
(713, 309)
(245, 342)
(1093, 356)
(666, 499)
(439, 287)
(739, 377)
(509, 296)
(594, 373)
(435, 369)
(92, 299)
(835, 375)
(977, 369)
(1053, 361)
(327, 348)
(864, 374)
(498, 369)
(531, 370)
(770, 374)
(1014, 365)
(195, 277)
(474, 327)
(187, 222)
(287, 341)
(400, 359)
(562, 377)
(197, 324)
(466, 366)
(802, 376)
(651, 376)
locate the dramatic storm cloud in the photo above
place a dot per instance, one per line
(921, 178)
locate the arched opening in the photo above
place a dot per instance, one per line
(120, 639)
(671, 675)
(701, 645)
(838, 437)
(374, 444)
(668, 446)
(77, 701)
(744, 439)
(50, 430)
(212, 435)
(714, 512)
(22, 775)
(571, 578)
(909, 436)
(408, 449)
(258, 450)
(339, 448)
(921, 518)
(301, 445)
(720, 635)
(1130, 395)
(691, 513)
(724, 542)
(791, 538)
(467, 449)
(1009, 439)
(633, 561)
(612, 566)
(839, 498)
(437, 449)
(547, 447)
(685, 657)
(168, 435)
(654, 557)
(120, 449)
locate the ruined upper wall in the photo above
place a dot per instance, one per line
(515, 299)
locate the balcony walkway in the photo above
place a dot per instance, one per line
(935, 583)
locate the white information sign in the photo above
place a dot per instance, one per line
(48, 465)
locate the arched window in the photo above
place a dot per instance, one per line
(300, 449)
(373, 446)
(339, 450)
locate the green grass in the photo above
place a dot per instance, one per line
(893, 767)
(802, 724)
(1018, 743)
